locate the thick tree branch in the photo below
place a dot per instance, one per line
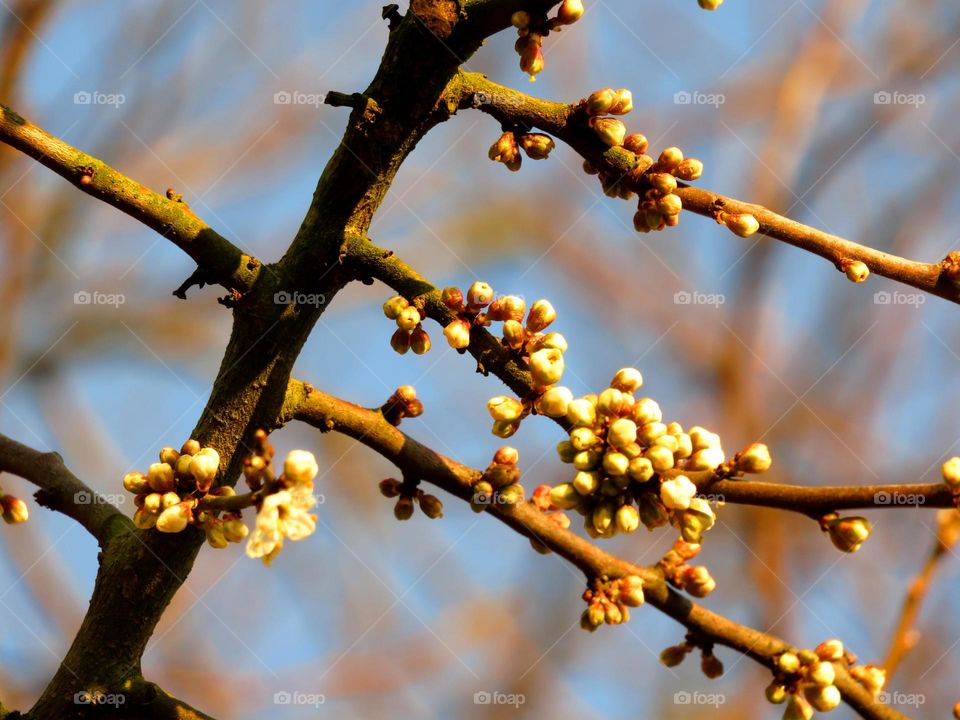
(220, 259)
(60, 489)
(327, 413)
(568, 123)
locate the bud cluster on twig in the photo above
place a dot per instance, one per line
(507, 148)
(710, 664)
(403, 403)
(609, 601)
(804, 680)
(410, 333)
(407, 492)
(695, 579)
(532, 28)
(500, 482)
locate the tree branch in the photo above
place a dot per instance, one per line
(568, 123)
(60, 489)
(327, 413)
(221, 260)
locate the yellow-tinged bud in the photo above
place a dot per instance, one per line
(587, 459)
(300, 467)
(646, 411)
(169, 500)
(234, 530)
(554, 402)
(546, 366)
(660, 457)
(788, 663)
(457, 334)
(669, 205)
(536, 145)
(621, 433)
(508, 307)
(951, 473)
(829, 650)
(541, 315)
(670, 159)
(403, 510)
(15, 510)
(797, 707)
(564, 496)
(742, 224)
(706, 459)
(776, 693)
(822, 674)
(420, 341)
(636, 143)
(505, 429)
(624, 102)
(677, 493)
(689, 169)
(856, 271)
(641, 469)
(479, 295)
(652, 512)
(174, 519)
(600, 102)
(849, 533)
(190, 447)
(663, 183)
(169, 456)
(505, 149)
(204, 467)
(432, 506)
(755, 458)
(136, 482)
(602, 517)
(504, 408)
(627, 380)
(511, 494)
(520, 19)
(586, 482)
(216, 538)
(408, 318)
(582, 413)
(566, 451)
(144, 520)
(610, 130)
(394, 306)
(570, 11)
(160, 477)
(628, 519)
(400, 341)
(615, 463)
(871, 677)
(698, 582)
(673, 655)
(823, 699)
(710, 4)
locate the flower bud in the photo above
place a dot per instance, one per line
(420, 341)
(611, 401)
(849, 533)
(400, 341)
(553, 340)
(403, 510)
(669, 205)
(503, 150)
(564, 496)
(621, 433)
(500, 476)
(582, 438)
(628, 519)
(505, 409)
(408, 318)
(823, 699)
(829, 650)
(511, 494)
(670, 159)
(698, 582)
(673, 655)
(540, 316)
(660, 457)
(390, 487)
(520, 19)
(652, 512)
(602, 518)
(663, 183)
(856, 271)
(610, 130)
(174, 518)
(797, 708)
(822, 674)
(204, 467)
(951, 473)
(586, 482)
(169, 500)
(479, 295)
(153, 502)
(546, 366)
(624, 102)
(677, 492)
(646, 411)
(234, 530)
(536, 145)
(457, 334)
(615, 463)
(531, 59)
(641, 469)
(582, 413)
(136, 482)
(788, 663)
(215, 535)
(554, 402)
(706, 459)
(871, 677)
(160, 477)
(689, 169)
(431, 506)
(301, 467)
(776, 693)
(169, 456)
(452, 298)
(14, 510)
(627, 380)
(190, 447)
(504, 429)
(754, 459)
(569, 11)
(742, 224)
(711, 666)
(601, 101)
(710, 4)
(513, 334)
(508, 307)
(393, 307)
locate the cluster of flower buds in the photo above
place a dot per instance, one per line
(167, 494)
(846, 533)
(507, 148)
(609, 601)
(410, 333)
(856, 271)
(630, 464)
(710, 664)
(659, 205)
(500, 482)
(282, 504)
(403, 403)
(804, 680)
(533, 27)
(710, 4)
(695, 579)
(407, 492)
(13, 508)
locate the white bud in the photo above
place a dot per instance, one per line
(457, 334)
(677, 493)
(646, 411)
(546, 366)
(204, 466)
(174, 519)
(505, 409)
(480, 294)
(627, 379)
(300, 467)
(160, 476)
(540, 316)
(622, 432)
(555, 401)
(582, 413)
(706, 459)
